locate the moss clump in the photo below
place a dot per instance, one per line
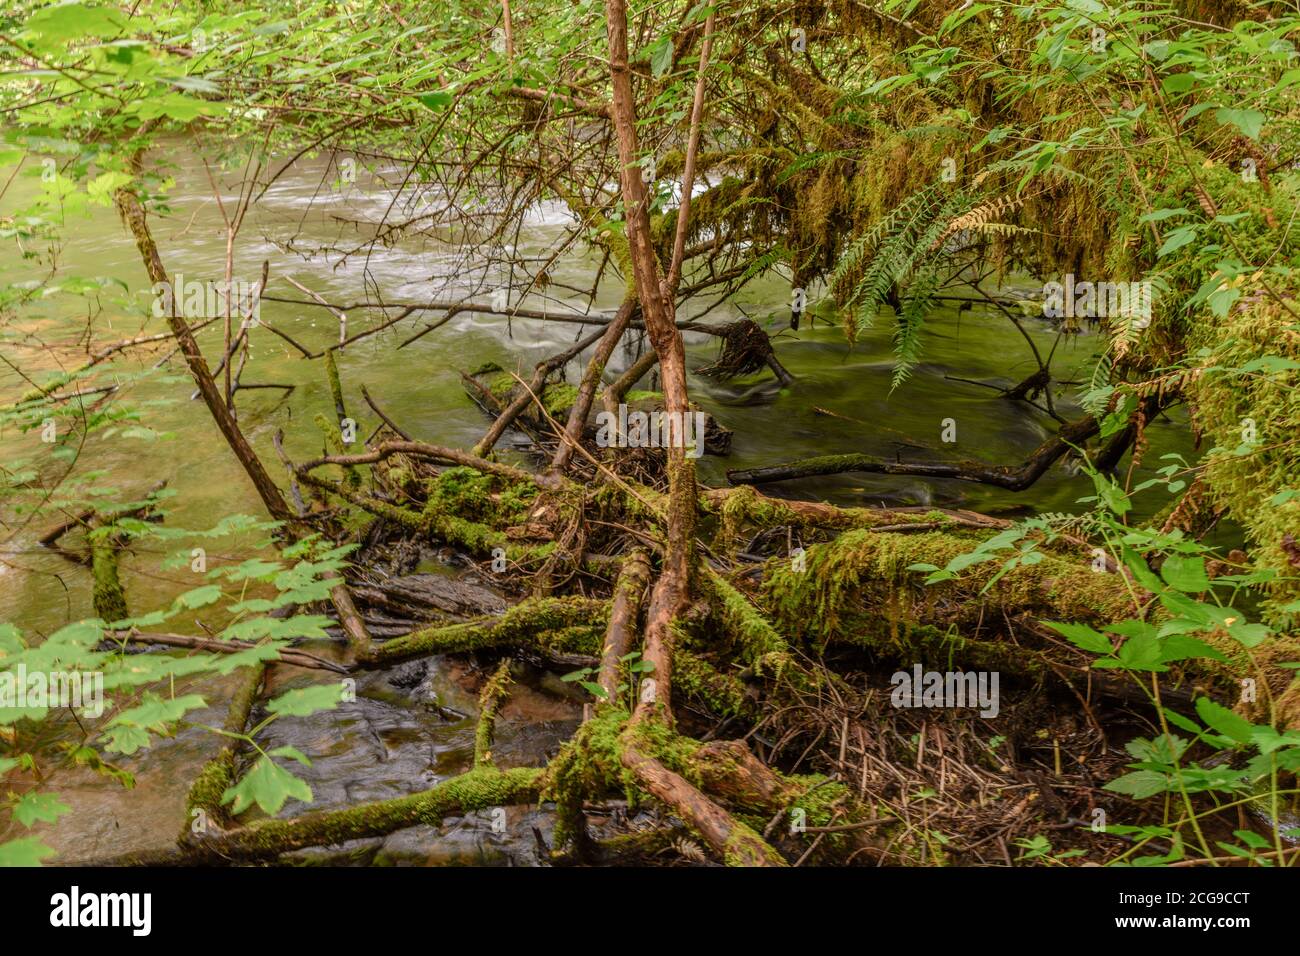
(474, 496)
(700, 681)
(758, 640)
(587, 766)
(108, 598)
(858, 588)
(466, 507)
(570, 625)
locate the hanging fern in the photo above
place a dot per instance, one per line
(909, 249)
(918, 302)
(778, 253)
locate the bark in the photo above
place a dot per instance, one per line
(133, 214)
(671, 591)
(736, 843)
(628, 592)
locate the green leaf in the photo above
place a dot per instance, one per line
(125, 740)
(307, 700)
(42, 807)
(661, 55)
(436, 101)
(1186, 573)
(1142, 653)
(1268, 740)
(71, 21)
(1224, 721)
(101, 188)
(1175, 240)
(1181, 722)
(1182, 647)
(200, 597)
(1140, 784)
(28, 851)
(300, 625)
(1083, 636)
(268, 786)
(1250, 122)
(158, 712)
(1162, 214)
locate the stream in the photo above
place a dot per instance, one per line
(402, 734)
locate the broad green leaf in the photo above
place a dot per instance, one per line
(1224, 721)
(1186, 573)
(1083, 636)
(268, 786)
(35, 807)
(1250, 122)
(307, 700)
(27, 851)
(1140, 784)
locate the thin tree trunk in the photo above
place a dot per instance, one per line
(671, 592)
(133, 215)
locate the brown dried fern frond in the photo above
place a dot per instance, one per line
(981, 219)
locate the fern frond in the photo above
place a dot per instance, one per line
(979, 218)
(764, 262)
(918, 302)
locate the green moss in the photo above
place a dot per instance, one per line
(1248, 479)
(479, 789)
(700, 681)
(857, 588)
(758, 640)
(108, 598)
(334, 440)
(587, 767)
(569, 625)
(558, 398)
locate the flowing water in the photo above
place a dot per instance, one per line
(385, 743)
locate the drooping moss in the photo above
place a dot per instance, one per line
(1252, 419)
(759, 642)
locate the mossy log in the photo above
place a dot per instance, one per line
(556, 625)
(218, 774)
(477, 789)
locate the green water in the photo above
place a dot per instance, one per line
(420, 386)
(386, 743)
